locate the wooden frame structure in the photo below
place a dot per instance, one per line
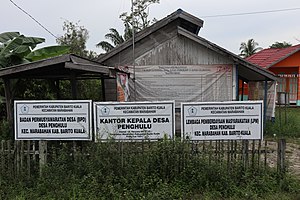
(65, 67)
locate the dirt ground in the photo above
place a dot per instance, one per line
(292, 157)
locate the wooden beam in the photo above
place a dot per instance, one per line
(73, 85)
(103, 89)
(56, 83)
(34, 65)
(9, 106)
(88, 68)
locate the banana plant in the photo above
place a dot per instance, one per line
(18, 49)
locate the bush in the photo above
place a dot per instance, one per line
(5, 132)
(286, 123)
(161, 170)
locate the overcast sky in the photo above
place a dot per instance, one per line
(97, 16)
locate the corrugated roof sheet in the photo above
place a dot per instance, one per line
(268, 57)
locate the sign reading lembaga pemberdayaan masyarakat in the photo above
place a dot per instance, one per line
(231, 120)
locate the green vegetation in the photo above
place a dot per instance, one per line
(283, 44)
(161, 170)
(249, 48)
(286, 124)
(134, 21)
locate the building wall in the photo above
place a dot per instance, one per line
(158, 49)
(291, 61)
(180, 50)
(288, 66)
(298, 98)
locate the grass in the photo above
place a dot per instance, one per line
(164, 171)
(159, 173)
(286, 125)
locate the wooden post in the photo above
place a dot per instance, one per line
(2, 154)
(258, 154)
(28, 158)
(204, 150)
(8, 99)
(210, 152)
(22, 156)
(281, 156)
(42, 154)
(17, 157)
(245, 153)
(9, 165)
(103, 89)
(253, 154)
(266, 144)
(56, 83)
(74, 85)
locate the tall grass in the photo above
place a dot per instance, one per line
(287, 123)
(162, 170)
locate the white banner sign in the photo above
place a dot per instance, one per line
(183, 83)
(53, 120)
(232, 120)
(134, 120)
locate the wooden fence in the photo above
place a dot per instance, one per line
(28, 157)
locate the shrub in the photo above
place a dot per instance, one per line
(160, 170)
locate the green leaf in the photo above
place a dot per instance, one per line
(32, 41)
(10, 47)
(22, 51)
(47, 52)
(6, 36)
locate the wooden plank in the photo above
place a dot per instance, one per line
(89, 68)
(245, 153)
(42, 155)
(28, 158)
(10, 165)
(222, 151)
(8, 99)
(253, 154)
(17, 157)
(2, 155)
(210, 152)
(281, 147)
(22, 153)
(266, 150)
(228, 155)
(259, 154)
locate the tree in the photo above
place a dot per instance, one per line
(249, 48)
(76, 37)
(139, 14)
(114, 36)
(138, 19)
(280, 45)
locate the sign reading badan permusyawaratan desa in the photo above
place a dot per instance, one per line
(53, 120)
(232, 120)
(134, 121)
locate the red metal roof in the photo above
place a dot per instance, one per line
(268, 57)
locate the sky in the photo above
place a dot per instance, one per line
(98, 16)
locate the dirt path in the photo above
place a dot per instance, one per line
(293, 158)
